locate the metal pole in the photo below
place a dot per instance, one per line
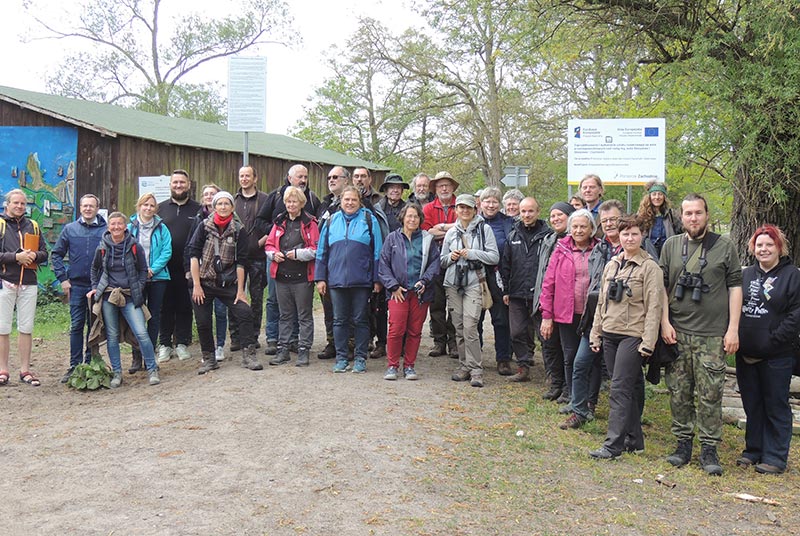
(630, 195)
(246, 156)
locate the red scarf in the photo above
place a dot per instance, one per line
(221, 222)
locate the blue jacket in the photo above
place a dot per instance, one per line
(393, 266)
(135, 268)
(160, 247)
(344, 258)
(78, 241)
(502, 226)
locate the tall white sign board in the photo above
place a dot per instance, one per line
(247, 94)
(158, 186)
(619, 151)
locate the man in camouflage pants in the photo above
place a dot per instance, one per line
(703, 278)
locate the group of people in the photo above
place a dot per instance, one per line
(603, 292)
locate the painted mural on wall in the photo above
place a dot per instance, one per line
(41, 162)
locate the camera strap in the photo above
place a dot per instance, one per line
(708, 242)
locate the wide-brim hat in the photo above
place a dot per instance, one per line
(393, 178)
(443, 175)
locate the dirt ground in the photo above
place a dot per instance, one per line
(293, 451)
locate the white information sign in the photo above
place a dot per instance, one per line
(619, 151)
(247, 94)
(158, 186)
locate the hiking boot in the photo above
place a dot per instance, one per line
(476, 380)
(152, 377)
(65, 378)
(329, 352)
(360, 366)
(565, 409)
(744, 461)
(302, 357)
(523, 374)
(504, 368)
(272, 348)
(768, 469)
(378, 352)
(410, 373)
(391, 374)
(182, 352)
(709, 460)
(116, 381)
(453, 352)
(209, 363)
(249, 359)
(461, 375)
(235, 346)
(164, 353)
(438, 350)
(564, 397)
(573, 422)
(294, 347)
(552, 394)
(632, 448)
(682, 454)
(603, 454)
(281, 357)
(136, 362)
(219, 353)
(341, 365)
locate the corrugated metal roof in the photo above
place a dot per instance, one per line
(112, 120)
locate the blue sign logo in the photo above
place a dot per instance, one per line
(651, 132)
(578, 132)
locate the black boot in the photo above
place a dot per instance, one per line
(682, 454)
(136, 362)
(329, 352)
(553, 393)
(302, 357)
(209, 363)
(709, 460)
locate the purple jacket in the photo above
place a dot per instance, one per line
(558, 288)
(393, 265)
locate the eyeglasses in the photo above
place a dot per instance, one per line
(335, 177)
(609, 220)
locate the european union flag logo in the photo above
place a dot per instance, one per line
(651, 132)
(578, 132)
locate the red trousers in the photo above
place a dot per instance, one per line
(405, 322)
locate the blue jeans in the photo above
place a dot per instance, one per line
(349, 306)
(272, 328)
(764, 387)
(79, 321)
(220, 321)
(585, 378)
(135, 319)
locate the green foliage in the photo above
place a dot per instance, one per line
(91, 376)
(52, 319)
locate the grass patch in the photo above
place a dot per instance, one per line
(52, 320)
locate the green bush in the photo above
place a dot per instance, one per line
(91, 376)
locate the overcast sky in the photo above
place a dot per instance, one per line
(292, 74)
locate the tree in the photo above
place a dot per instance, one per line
(140, 58)
(744, 55)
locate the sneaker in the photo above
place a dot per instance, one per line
(709, 460)
(476, 380)
(65, 378)
(573, 422)
(565, 409)
(341, 365)
(182, 352)
(504, 368)
(603, 454)
(744, 461)
(360, 366)
(153, 377)
(768, 469)
(164, 353)
(116, 381)
(410, 373)
(391, 374)
(219, 353)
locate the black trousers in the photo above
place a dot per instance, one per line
(256, 283)
(240, 312)
(626, 399)
(176, 312)
(442, 329)
(379, 317)
(522, 330)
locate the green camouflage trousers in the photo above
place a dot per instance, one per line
(699, 371)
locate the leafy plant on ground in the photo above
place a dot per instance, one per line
(91, 376)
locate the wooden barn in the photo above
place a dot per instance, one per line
(116, 146)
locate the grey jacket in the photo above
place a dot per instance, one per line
(488, 254)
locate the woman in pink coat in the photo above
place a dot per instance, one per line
(566, 286)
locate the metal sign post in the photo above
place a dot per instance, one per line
(515, 176)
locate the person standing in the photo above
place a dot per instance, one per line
(626, 329)
(703, 277)
(178, 213)
(658, 218)
(392, 203)
(440, 217)
(156, 242)
(518, 268)
(19, 284)
(468, 246)
(552, 353)
(247, 205)
(591, 188)
(297, 176)
(421, 186)
(768, 331)
(119, 273)
(511, 201)
(78, 241)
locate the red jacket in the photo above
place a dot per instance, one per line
(434, 213)
(310, 232)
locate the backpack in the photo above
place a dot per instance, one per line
(3, 224)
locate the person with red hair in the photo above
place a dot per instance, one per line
(771, 321)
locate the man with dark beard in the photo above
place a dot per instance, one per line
(178, 213)
(703, 277)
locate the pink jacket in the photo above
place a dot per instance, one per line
(558, 287)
